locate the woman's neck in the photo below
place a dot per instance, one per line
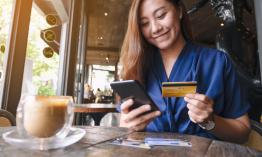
(169, 56)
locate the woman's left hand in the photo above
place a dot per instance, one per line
(200, 108)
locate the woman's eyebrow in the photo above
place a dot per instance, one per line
(141, 18)
(159, 9)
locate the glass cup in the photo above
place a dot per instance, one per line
(45, 116)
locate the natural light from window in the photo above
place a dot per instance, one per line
(41, 73)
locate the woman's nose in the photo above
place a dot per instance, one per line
(156, 27)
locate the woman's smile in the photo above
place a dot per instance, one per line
(161, 36)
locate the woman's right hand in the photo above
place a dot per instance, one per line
(135, 119)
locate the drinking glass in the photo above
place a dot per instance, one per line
(45, 116)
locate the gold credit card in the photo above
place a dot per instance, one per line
(178, 89)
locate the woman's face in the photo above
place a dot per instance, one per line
(159, 21)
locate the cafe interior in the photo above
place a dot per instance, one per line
(72, 48)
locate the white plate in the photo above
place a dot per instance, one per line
(12, 137)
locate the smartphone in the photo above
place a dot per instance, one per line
(133, 89)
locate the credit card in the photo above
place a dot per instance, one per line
(129, 143)
(167, 142)
(178, 89)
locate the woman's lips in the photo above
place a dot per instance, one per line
(158, 36)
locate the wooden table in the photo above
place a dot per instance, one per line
(95, 110)
(96, 144)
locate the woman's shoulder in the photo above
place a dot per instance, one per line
(210, 53)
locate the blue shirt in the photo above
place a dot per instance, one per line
(215, 78)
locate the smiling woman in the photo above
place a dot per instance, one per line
(155, 51)
(133, 34)
(160, 24)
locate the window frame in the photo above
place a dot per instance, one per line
(14, 62)
(17, 41)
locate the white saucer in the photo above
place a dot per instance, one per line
(12, 137)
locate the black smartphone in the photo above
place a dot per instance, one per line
(133, 89)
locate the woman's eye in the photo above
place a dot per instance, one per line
(161, 16)
(144, 23)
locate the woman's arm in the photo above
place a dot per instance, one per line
(201, 110)
(234, 130)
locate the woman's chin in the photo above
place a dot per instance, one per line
(164, 45)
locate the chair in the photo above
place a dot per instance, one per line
(255, 137)
(84, 119)
(110, 120)
(6, 118)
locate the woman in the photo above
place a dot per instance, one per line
(155, 51)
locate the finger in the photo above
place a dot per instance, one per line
(200, 97)
(202, 114)
(196, 103)
(190, 117)
(141, 127)
(136, 112)
(194, 109)
(195, 118)
(198, 110)
(126, 105)
(122, 122)
(144, 118)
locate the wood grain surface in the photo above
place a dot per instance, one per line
(96, 143)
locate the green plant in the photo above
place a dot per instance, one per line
(46, 90)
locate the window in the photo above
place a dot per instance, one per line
(42, 58)
(102, 76)
(5, 20)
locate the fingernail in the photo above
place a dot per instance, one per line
(148, 107)
(158, 113)
(131, 101)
